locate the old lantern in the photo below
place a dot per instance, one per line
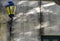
(11, 9)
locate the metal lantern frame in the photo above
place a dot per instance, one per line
(11, 9)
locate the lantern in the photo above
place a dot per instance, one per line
(11, 9)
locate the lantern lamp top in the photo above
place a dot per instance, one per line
(10, 3)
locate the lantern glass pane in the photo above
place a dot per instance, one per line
(8, 11)
(12, 9)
